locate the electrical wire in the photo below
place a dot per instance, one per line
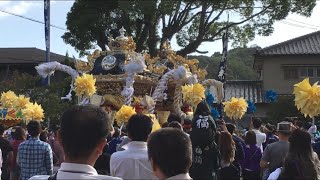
(30, 19)
(297, 25)
(304, 23)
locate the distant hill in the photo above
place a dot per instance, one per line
(239, 65)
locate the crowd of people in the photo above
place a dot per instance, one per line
(86, 145)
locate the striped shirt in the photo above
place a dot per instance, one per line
(34, 158)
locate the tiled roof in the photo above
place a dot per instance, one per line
(307, 44)
(249, 90)
(26, 56)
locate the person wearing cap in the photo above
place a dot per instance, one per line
(274, 154)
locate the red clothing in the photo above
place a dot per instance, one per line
(57, 150)
(15, 144)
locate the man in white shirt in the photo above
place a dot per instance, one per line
(261, 137)
(133, 163)
(170, 153)
(83, 133)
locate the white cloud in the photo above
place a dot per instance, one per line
(293, 26)
(20, 7)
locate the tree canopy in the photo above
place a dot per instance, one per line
(191, 22)
(239, 67)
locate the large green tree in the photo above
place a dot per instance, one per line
(191, 22)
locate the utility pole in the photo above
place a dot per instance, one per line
(47, 36)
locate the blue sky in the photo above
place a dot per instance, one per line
(18, 32)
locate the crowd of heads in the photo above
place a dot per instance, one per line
(84, 130)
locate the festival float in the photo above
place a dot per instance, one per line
(126, 82)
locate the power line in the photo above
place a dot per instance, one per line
(304, 23)
(30, 19)
(297, 25)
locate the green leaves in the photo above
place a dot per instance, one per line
(47, 96)
(240, 63)
(191, 22)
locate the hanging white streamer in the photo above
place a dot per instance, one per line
(48, 69)
(136, 65)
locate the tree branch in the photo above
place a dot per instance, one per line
(212, 39)
(175, 14)
(191, 19)
(240, 22)
(217, 16)
(193, 45)
(163, 17)
(184, 12)
(201, 52)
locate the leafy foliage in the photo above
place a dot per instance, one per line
(192, 22)
(283, 107)
(47, 96)
(239, 64)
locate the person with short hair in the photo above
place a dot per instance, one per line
(170, 154)
(19, 137)
(261, 137)
(239, 143)
(7, 153)
(176, 125)
(270, 137)
(174, 117)
(133, 163)
(44, 136)
(83, 132)
(274, 154)
(115, 141)
(34, 156)
(250, 166)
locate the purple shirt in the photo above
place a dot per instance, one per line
(252, 158)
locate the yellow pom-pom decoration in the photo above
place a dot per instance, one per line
(236, 108)
(307, 98)
(85, 85)
(33, 111)
(8, 99)
(187, 92)
(124, 114)
(193, 94)
(156, 125)
(198, 93)
(21, 102)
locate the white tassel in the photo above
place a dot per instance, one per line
(136, 65)
(48, 69)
